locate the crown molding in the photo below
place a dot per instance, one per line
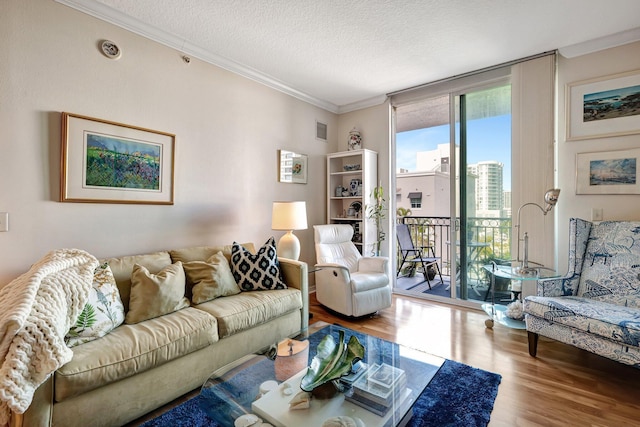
(595, 45)
(112, 16)
(365, 103)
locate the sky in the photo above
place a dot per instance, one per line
(487, 139)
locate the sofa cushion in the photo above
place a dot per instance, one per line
(210, 279)
(131, 349)
(154, 295)
(611, 321)
(102, 313)
(248, 309)
(256, 272)
(123, 267)
(202, 253)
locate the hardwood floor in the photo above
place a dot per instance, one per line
(562, 386)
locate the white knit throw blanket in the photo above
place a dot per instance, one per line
(36, 311)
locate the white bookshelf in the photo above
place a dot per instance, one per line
(338, 205)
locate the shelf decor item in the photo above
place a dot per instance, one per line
(354, 185)
(109, 162)
(355, 140)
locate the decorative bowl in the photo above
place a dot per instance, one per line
(351, 167)
(332, 361)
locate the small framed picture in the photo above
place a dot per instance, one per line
(610, 172)
(109, 162)
(603, 107)
(292, 167)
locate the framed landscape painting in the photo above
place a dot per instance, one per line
(603, 107)
(611, 172)
(109, 162)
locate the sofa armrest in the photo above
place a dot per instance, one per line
(376, 264)
(40, 411)
(296, 275)
(558, 286)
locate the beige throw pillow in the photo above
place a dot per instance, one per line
(154, 295)
(210, 279)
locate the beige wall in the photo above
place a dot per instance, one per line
(615, 207)
(228, 130)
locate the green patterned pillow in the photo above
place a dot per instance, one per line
(102, 313)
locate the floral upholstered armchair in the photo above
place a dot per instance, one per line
(596, 306)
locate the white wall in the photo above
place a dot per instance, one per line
(228, 130)
(615, 207)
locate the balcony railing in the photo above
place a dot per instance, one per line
(438, 233)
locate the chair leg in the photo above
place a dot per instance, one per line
(425, 271)
(439, 273)
(404, 257)
(533, 343)
(486, 294)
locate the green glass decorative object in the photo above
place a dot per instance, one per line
(332, 361)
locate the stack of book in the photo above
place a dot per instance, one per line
(380, 388)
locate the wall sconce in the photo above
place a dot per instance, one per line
(550, 198)
(289, 216)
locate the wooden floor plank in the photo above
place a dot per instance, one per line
(563, 386)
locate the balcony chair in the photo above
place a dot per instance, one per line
(415, 255)
(347, 282)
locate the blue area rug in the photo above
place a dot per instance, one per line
(458, 395)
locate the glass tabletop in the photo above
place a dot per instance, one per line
(239, 389)
(515, 272)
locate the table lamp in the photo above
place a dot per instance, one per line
(550, 198)
(292, 357)
(289, 216)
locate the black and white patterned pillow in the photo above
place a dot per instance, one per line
(257, 272)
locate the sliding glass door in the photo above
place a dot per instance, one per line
(484, 186)
(453, 185)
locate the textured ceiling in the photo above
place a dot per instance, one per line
(344, 53)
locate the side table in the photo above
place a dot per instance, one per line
(498, 313)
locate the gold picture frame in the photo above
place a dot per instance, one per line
(109, 162)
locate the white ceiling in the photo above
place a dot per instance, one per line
(346, 54)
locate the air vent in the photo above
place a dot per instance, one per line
(321, 131)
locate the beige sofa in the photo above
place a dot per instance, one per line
(137, 368)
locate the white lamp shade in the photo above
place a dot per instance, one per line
(289, 216)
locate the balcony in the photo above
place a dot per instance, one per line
(488, 239)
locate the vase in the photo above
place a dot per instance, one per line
(355, 140)
(353, 186)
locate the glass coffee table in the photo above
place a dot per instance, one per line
(240, 389)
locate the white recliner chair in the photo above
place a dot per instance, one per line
(346, 281)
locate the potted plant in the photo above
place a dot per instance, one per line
(376, 211)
